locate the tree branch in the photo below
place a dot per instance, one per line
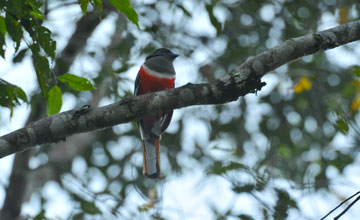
(241, 81)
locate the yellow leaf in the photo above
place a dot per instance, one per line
(303, 84)
(146, 206)
(343, 15)
(306, 83)
(152, 195)
(355, 105)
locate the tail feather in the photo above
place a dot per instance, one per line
(151, 157)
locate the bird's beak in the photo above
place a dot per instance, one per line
(173, 56)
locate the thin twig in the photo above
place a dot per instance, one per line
(347, 208)
(341, 205)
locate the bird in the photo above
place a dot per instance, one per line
(156, 73)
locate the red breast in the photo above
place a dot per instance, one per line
(153, 83)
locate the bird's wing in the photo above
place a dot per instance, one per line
(137, 84)
(165, 120)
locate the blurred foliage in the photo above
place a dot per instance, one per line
(29, 15)
(285, 134)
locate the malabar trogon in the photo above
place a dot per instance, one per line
(157, 73)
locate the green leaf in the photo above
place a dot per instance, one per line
(125, 7)
(283, 204)
(236, 166)
(2, 45)
(213, 19)
(54, 100)
(31, 27)
(98, 5)
(2, 36)
(349, 89)
(186, 12)
(78, 216)
(89, 207)
(2, 26)
(15, 7)
(341, 161)
(245, 217)
(84, 5)
(356, 71)
(284, 151)
(40, 215)
(218, 168)
(342, 126)
(42, 70)
(20, 56)
(46, 42)
(245, 188)
(10, 94)
(14, 29)
(20, 93)
(75, 82)
(36, 13)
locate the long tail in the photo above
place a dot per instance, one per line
(151, 156)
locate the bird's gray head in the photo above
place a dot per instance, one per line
(163, 52)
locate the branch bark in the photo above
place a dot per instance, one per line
(242, 80)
